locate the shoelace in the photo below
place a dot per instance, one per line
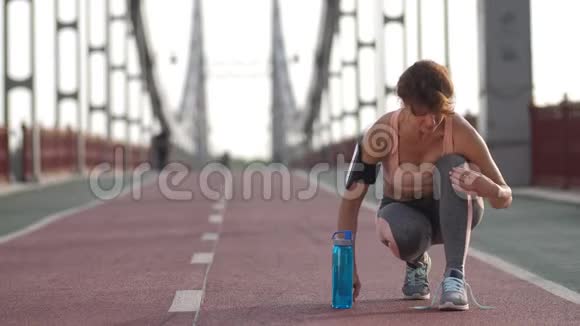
(454, 284)
(417, 273)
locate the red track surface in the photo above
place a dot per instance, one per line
(121, 263)
(273, 261)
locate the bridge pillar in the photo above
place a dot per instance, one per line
(506, 85)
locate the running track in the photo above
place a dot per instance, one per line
(124, 263)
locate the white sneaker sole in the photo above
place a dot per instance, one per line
(449, 306)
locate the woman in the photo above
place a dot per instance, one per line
(437, 169)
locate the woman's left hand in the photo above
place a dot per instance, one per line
(472, 182)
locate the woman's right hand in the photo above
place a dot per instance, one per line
(356, 286)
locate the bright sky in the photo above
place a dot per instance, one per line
(237, 48)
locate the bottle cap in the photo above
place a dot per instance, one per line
(346, 233)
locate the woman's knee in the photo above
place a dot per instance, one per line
(441, 180)
(447, 162)
(414, 245)
(385, 235)
(406, 231)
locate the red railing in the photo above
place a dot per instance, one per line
(556, 145)
(59, 152)
(4, 156)
(98, 151)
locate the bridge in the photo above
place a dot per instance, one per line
(178, 163)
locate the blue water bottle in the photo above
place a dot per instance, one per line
(342, 270)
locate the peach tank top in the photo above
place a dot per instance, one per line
(406, 180)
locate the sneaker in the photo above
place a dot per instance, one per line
(416, 285)
(454, 296)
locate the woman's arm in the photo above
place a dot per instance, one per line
(490, 184)
(349, 208)
(348, 220)
(361, 172)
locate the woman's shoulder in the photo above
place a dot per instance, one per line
(381, 125)
(463, 132)
(460, 124)
(386, 117)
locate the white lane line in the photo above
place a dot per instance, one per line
(48, 220)
(219, 220)
(518, 272)
(562, 196)
(527, 276)
(202, 258)
(186, 301)
(66, 213)
(216, 219)
(210, 236)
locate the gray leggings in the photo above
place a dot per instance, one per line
(417, 224)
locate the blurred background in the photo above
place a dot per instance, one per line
(286, 81)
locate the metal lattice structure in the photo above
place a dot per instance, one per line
(61, 96)
(29, 151)
(330, 67)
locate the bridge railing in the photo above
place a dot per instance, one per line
(59, 152)
(556, 144)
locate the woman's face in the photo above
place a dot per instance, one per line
(426, 121)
